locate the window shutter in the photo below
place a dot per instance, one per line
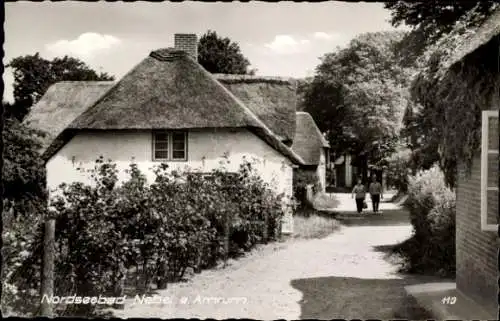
(489, 171)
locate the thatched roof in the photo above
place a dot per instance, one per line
(62, 103)
(482, 35)
(272, 99)
(169, 90)
(308, 140)
(464, 39)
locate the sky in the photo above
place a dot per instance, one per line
(279, 39)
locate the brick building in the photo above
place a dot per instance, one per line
(477, 238)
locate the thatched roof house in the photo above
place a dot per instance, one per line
(169, 89)
(308, 140)
(169, 109)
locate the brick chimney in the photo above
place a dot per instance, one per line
(187, 42)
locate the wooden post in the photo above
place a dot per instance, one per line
(197, 265)
(277, 229)
(265, 233)
(120, 285)
(226, 236)
(47, 281)
(162, 275)
(137, 275)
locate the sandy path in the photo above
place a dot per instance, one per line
(338, 276)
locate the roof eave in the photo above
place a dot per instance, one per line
(482, 35)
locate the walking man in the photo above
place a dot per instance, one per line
(375, 190)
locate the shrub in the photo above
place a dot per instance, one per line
(398, 170)
(301, 179)
(432, 212)
(21, 252)
(179, 221)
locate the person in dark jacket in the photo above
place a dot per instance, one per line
(359, 194)
(375, 190)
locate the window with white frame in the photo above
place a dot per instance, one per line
(489, 171)
(169, 145)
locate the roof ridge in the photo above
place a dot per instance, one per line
(226, 78)
(98, 82)
(168, 54)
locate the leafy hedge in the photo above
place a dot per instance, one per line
(432, 212)
(180, 221)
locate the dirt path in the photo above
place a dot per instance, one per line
(342, 276)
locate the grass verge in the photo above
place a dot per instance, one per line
(310, 224)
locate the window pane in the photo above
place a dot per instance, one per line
(160, 154)
(161, 136)
(161, 145)
(493, 133)
(178, 154)
(178, 146)
(492, 170)
(178, 137)
(492, 207)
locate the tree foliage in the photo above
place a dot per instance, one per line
(358, 95)
(23, 173)
(33, 75)
(221, 55)
(429, 21)
(441, 122)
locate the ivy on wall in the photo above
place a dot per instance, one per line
(452, 104)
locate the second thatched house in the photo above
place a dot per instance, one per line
(169, 109)
(313, 148)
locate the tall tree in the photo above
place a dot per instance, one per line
(221, 55)
(33, 75)
(23, 173)
(302, 87)
(358, 96)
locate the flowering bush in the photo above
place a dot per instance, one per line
(21, 251)
(179, 221)
(432, 212)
